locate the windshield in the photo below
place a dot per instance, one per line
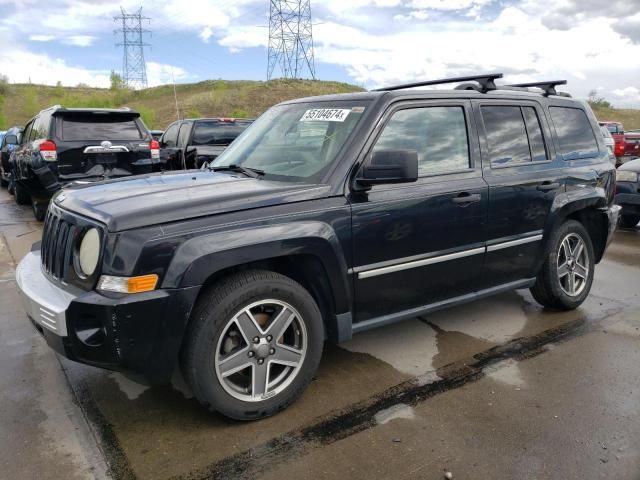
(297, 142)
(217, 133)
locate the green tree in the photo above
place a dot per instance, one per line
(597, 101)
(116, 81)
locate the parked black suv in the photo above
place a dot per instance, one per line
(188, 144)
(62, 145)
(331, 215)
(8, 144)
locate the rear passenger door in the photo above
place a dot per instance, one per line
(416, 244)
(524, 178)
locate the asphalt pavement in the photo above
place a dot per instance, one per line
(498, 388)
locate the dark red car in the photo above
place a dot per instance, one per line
(617, 132)
(632, 143)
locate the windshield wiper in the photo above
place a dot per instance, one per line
(248, 171)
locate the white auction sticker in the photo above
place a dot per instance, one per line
(325, 115)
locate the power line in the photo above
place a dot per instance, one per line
(290, 39)
(134, 68)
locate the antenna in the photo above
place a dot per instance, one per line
(175, 95)
(134, 69)
(290, 39)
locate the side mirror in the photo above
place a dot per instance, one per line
(389, 166)
(11, 140)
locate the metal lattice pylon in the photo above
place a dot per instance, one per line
(134, 69)
(290, 39)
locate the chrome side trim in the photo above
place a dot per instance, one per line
(100, 149)
(419, 263)
(513, 243)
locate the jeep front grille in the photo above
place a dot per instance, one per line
(57, 244)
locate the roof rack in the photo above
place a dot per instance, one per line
(549, 87)
(486, 82)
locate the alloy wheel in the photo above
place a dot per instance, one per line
(261, 350)
(573, 265)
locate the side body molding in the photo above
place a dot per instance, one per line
(201, 256)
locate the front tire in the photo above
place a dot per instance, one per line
(253, 344)
(566, 276)
(629, 221)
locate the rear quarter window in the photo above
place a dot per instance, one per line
(99, 127)
(575, 135)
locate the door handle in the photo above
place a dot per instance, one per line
(466, 198)
(548, 186)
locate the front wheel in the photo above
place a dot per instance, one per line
(629, 221)
(253, 344)
(567, 273)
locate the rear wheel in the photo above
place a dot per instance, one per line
(254, 342)
(629, 221)
(567, 273)
(22, 195)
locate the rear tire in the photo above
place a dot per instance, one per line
(22, 195)
(566, 276)
(629, 221)
(232, 373)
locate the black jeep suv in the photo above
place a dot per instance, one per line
(62, 145)
(329, 216)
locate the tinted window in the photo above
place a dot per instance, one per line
(27, 133)
(506, 135)
(438, 134)
(170, 137)
(575, 134)
(217, 133)
(99, 127)
(183, 135)
(534, 130)
(41, 126)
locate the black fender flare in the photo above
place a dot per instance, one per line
(202, 256)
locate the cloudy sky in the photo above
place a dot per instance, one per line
(594, 44)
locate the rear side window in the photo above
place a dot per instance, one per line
(506, 135)
(534, 131)
(216, 133)
(575, 134)
(99, 127)
(42, 125)
(438, 134)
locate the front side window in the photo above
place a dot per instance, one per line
(295, 142)
(437, 134)
(98, 127)
(575, 134)
(170, 137)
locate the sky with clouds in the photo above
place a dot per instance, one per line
(594, 44)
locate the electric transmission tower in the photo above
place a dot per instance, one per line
(290, 39)
(134, 69)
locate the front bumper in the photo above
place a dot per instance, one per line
(630, 203)
(613, 216)
(140, 333)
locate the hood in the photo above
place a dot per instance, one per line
(631, 165)
(148, 200)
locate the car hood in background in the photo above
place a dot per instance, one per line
(148, 200)
(631, 165)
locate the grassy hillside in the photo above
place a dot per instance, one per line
(214, 98)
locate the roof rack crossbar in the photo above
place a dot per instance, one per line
(549, 87)
(487, 82)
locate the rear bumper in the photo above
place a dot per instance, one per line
(139, 333)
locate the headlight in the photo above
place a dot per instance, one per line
(89, 252)
(626, 176)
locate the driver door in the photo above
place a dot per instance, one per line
(420, 243)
